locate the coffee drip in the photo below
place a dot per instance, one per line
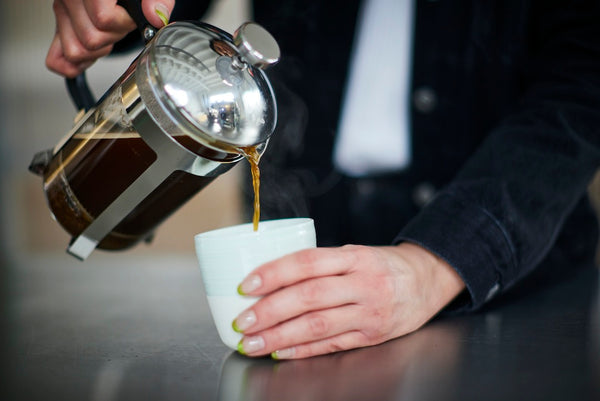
(252, 154)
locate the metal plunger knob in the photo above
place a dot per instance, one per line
(256, 46)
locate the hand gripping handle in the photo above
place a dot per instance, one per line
(78, 87)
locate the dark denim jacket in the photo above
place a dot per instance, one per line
(521, 85)
(510, 134)
(505, 130)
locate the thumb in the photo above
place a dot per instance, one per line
(157, 12)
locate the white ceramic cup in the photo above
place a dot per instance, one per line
(227, 255)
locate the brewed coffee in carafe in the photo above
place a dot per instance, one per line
(186, 110)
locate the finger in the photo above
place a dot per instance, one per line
(289, 302)
(342, 342)
(308, 328)
(66, 56)
(96, 28)
(56, 61)
(157, 12)
(73, 50)
(107, 16)
(296, 267)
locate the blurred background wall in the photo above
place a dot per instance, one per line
(35, 112)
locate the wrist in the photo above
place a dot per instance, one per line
(442, 281)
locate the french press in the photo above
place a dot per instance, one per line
(179, 116)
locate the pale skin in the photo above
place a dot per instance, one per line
(315, 301)
(87, 29)
(324, 300)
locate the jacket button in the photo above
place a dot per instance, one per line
(423, 193)
(424, 100)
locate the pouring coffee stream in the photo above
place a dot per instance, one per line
(253, 154)
(192, 104)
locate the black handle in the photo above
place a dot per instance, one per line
(78, 87)
(80, 92)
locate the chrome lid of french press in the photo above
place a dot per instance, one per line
(211, 84)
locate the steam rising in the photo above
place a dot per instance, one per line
(284, 192)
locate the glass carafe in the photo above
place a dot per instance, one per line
(173, 122)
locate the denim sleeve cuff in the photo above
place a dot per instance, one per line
(471, 240)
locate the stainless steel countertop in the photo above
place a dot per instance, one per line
(119, 327)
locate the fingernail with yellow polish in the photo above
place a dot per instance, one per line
(244, 321)
(249, 345)
(286, 353)
(163, 13)
(240, 347)
(239, 290)
(250, 283)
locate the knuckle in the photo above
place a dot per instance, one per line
(358, 251)
(74, 54)
(328, 346)
(102, 19)
(51, 62)
(358, 254)
(310, 293)
(307, 258)
(378, 323)
(54, 67)
(92, 40)
(345, 342)
(335, 345)
(318, 325)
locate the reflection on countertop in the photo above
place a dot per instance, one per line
(397, 370)
(126, 327)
